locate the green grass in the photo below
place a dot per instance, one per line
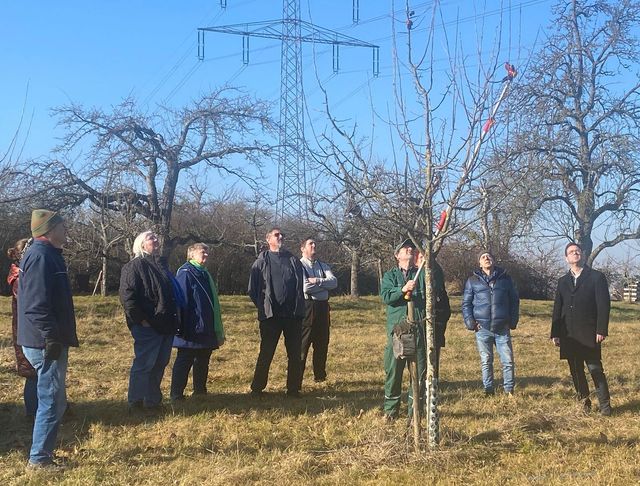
(335, 434)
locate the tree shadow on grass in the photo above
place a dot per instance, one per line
(16, 429)
(6, 343)
(351, 398)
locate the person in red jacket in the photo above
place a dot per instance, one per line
(23, 367)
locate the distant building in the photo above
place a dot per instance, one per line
(630, 293)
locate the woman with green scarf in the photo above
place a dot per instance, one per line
(200, 330)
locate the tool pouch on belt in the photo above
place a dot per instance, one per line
(404, 340)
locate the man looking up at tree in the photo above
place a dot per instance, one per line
(318, 280)
(46, 328)
(580, 324)
(490, 308)
(276, 289)
(395, 284)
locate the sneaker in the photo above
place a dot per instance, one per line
(49, 466)
(257, 393)
(489, 392)
(606, 411)
(294, 394)
(320, 380)
(509, 393)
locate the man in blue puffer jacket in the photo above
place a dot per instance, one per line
(490, 307)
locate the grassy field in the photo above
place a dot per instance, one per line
(335, 434)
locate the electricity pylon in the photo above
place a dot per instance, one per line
(292, 32)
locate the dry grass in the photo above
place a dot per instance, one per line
(335, 434)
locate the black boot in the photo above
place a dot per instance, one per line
(602, 390)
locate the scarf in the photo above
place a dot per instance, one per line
(217, 316)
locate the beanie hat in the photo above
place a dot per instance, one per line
(43, 221)
(485, 252)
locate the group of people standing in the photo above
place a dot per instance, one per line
(291, 294)
(162, 311)
(490, 308)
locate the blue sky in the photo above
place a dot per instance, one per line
(98, 52)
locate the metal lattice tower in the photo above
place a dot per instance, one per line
(292, 181)
(292, 32)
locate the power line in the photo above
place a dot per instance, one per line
(183, 81)
(292, 32)
(189, 50)
(178, 63)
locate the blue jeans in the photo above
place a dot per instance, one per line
(486, 340)
(151, 355)
(30, 395)
(52, 402)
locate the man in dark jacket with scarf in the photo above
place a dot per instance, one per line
(580, 323)
(46, 328)
(276, 289)
(490, 308)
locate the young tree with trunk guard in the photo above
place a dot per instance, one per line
(439, 131)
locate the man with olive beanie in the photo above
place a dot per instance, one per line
(46, 328)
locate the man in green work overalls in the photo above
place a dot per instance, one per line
(395, 284)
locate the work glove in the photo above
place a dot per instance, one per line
(52, 349)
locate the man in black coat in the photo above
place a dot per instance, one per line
(276, 289)
(580, 324)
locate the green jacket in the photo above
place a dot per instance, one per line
(391, 293)
(392, 296)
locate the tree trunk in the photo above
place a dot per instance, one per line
(355, 267)
(103, 277)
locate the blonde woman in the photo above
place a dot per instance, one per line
(150, 302)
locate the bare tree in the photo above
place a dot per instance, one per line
(150, 152)
(579, 111)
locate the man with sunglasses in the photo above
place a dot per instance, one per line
(276, 289)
